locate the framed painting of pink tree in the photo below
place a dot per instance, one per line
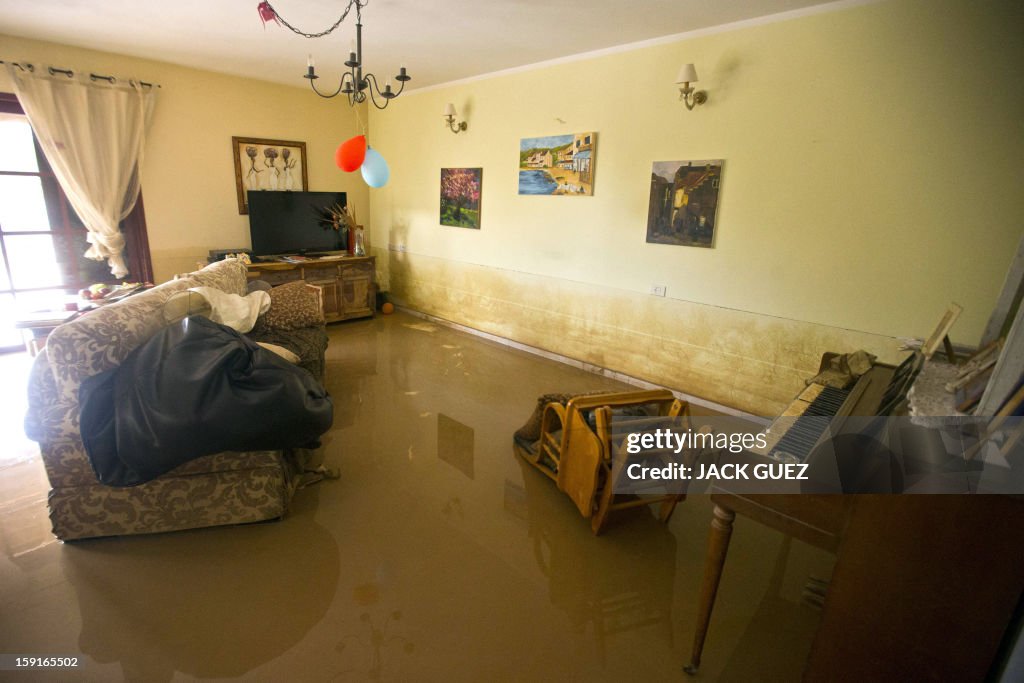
(460, 197)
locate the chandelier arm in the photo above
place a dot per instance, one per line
(371, 85)
(380, 91)
(358, 3)
(341, 84)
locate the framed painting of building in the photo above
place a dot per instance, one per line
(558, 164)
(683, 207)
(460, 197)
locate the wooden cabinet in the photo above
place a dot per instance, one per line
(357, 291)
(349, 285)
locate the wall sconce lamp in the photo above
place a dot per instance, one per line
(449, 116)
(688, 94)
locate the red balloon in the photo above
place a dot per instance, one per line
(351, 153)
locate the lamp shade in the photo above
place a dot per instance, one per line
(449, 109)
(687, 74)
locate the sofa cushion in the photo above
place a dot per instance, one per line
(229, 488)
(293, 306)
(259, 286)
(308, 343)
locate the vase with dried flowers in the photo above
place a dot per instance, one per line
(342, 218)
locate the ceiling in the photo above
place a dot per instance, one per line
(438, 40)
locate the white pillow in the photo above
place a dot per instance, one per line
(182, 304)
(237, 312)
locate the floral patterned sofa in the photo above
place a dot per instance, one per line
(223, 488)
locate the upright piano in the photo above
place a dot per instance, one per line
(879, 392)
(815, 519)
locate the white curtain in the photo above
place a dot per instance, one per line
(93, 135)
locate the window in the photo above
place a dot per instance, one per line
(42, 241)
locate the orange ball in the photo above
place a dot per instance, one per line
(388, 308)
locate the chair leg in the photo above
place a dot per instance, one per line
(669, 506)
(714, 562)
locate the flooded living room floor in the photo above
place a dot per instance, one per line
(436, 556)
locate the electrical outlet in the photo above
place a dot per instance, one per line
(658, 290)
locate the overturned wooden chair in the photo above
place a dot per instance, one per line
(578, 448)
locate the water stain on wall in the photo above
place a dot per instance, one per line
(744, 360)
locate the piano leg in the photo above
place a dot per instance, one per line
(714, 561)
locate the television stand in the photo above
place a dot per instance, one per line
(349, 284)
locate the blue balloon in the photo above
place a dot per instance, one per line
(375, 169)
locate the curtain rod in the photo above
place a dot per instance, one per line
(69, 73)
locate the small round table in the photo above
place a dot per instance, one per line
(41, 324)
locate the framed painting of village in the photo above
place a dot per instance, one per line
(683, 206)
(558, 164)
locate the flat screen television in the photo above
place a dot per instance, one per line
(290, 223)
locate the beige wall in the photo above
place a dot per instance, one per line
(872, 175)
(188, 177)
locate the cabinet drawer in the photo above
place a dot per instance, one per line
(320, 272)
(357, 271)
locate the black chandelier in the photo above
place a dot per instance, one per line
(354, 83)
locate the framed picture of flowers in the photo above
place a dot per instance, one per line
(460, 197)
(268, 165)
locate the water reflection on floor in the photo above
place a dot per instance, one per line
(436, 556)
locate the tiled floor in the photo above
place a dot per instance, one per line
(437, 556)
